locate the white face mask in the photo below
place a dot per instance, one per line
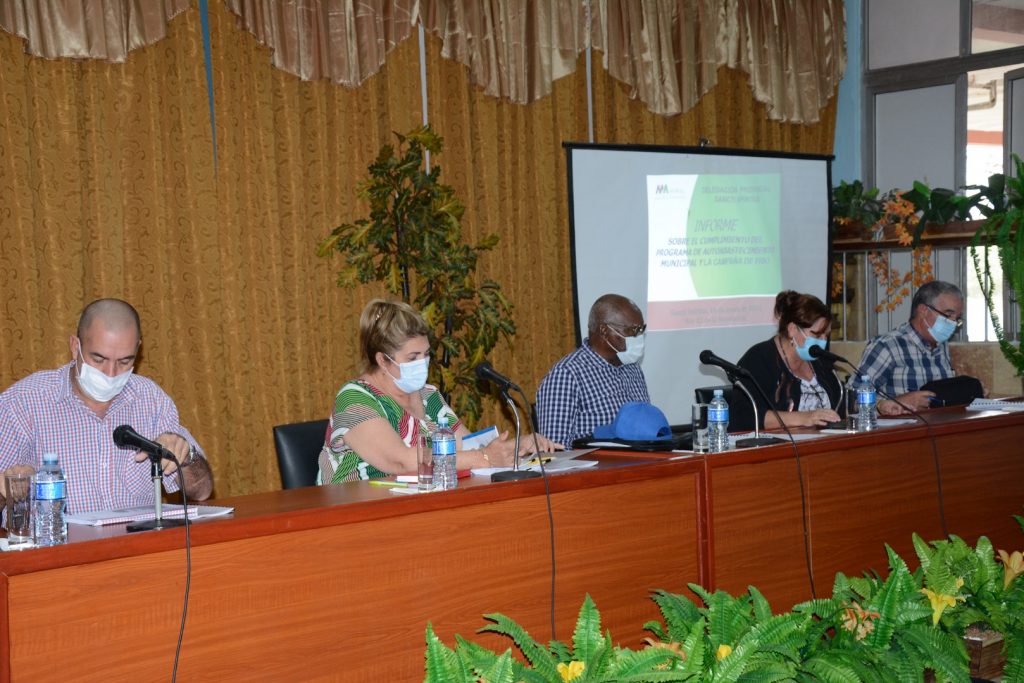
(412, 375)
(634, 350)
(98, 386)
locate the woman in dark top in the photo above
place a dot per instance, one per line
(805, 392)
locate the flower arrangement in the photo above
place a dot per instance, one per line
(870, 629)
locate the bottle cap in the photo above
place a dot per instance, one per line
(49, 457)
(718, 392)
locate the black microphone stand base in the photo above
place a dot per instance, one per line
(754, 442)
(514, 475)
(155, 524)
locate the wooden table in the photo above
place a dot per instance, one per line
(339, 582)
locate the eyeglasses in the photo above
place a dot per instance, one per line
(630, 331)
(959, 321)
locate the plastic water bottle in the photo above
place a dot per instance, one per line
(867, 405)
(445, 476)
(718, 423)
(49, 503)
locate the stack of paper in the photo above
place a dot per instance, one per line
(145, 513)
(995, 404)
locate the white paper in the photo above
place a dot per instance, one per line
(479, 439)
(995, 404)
(144, 513)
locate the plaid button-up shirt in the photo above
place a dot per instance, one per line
(901, 361)
(583, 391)
(42, 414)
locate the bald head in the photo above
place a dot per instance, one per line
(612, 308)
(112, 315)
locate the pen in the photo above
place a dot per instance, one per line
(385, 482)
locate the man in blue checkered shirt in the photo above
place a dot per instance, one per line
(586, 388)
(900, 362)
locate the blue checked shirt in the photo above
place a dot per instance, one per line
(583, 391)
(42, 414)
(901, 361)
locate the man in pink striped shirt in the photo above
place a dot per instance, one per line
(72, 411)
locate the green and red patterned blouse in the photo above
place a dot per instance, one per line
(359, 401)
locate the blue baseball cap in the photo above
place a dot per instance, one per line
(636, 421)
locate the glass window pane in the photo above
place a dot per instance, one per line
(910, 31)
(996, 25)
(915, 137)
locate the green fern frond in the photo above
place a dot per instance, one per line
(694, 648)
(627, 663)
(939, 650)
(535, 653)
(586, 637)
(442, 663)
(762, 610)
(832, 670)
(1013, 648)
(679, 613)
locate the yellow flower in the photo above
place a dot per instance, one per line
(723, 651)
(940, 601)
(570, 671)
(1013, 566)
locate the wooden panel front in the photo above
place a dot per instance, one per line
(862, 491)
(351, 601)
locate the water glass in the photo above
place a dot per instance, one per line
(852, 407)
(699, 422)
(18, 489)
(424, 461)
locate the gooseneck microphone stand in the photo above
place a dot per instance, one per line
(757, 439)
(515, 473)
(158, 522)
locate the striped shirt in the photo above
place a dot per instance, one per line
(901, 361)
(359, 401)
(43, 414)
(583, 391)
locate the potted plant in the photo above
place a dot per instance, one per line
(411, 242)
(1000, 231)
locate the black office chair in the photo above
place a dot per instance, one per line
(298, 449)
(705, 394)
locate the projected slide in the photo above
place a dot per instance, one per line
(713, 250)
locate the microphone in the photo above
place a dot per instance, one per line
(126, 437)
(708, 358)
(819, 353)
(486, 372)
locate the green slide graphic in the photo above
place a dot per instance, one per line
(733, 234)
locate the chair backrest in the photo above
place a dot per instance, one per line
(298, 449)
(705, 394)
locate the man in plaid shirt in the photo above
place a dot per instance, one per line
(586, 388)
(902, 361)
(72, 411)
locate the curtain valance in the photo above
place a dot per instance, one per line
(667, 52)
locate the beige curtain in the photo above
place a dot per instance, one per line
(794, 51)
(102, 29)
(514, 50)
(667, 51)
(342, 41)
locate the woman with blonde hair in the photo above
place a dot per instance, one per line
(377, 414)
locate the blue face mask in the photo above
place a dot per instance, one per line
(942, 329)
(804, 350)
(412, 376)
